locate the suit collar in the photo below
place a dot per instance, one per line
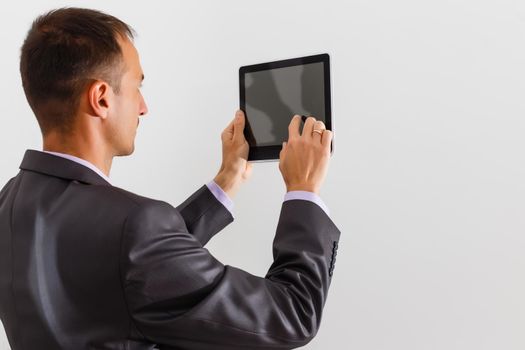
(53, 165)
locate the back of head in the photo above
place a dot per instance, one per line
(64, 51)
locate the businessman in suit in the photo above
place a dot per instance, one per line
(87, 265)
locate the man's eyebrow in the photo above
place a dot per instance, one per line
(142, 77)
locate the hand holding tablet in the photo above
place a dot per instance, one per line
(304, 158)
(272, 93)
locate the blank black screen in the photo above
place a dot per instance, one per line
(274, 96)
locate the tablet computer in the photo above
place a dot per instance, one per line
(272, 93)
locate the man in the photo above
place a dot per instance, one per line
(86, 265)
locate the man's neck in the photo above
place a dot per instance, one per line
(79, 148)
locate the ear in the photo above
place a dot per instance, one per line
(99, 98)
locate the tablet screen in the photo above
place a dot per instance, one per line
(274, 96)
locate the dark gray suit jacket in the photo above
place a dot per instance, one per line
(85, 265)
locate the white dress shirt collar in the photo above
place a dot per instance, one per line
(81, 162)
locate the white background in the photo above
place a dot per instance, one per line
(427, 180)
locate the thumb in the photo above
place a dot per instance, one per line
(227, 133)
(238, 126)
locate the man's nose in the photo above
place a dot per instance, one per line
(143, 108)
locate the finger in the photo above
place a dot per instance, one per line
(238, 126)
(318, 125)
(308, 126)
(293, 128)
(327, 139)
(248, 172)
(282, 150)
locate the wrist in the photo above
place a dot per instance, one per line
(227, 181)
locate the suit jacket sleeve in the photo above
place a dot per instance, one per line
(204, 215)
(181, 297)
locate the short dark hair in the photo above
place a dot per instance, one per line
(64, 51)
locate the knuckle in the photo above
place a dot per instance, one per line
(300, 140)
(321, 150)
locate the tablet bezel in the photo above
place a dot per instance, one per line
(269, 153)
